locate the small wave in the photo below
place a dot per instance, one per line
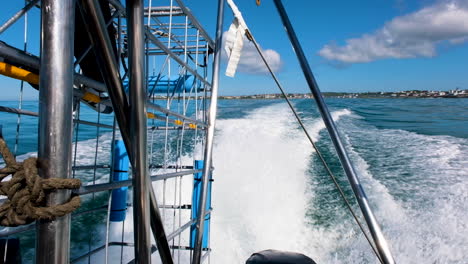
(418, 187)
(318, 125)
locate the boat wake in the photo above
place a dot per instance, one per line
(261, 191)
(418, 186)
(266, 192)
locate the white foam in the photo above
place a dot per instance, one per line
(261, 191)
(317, 125)
(419, 193)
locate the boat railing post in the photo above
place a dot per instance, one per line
(209, 134)
(109, 68)
(374, 228)
(137, 94)
(55, 123)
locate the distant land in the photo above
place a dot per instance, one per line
(457, 93)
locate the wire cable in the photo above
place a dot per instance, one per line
(319, 154)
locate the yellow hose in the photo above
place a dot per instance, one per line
(18, 73)
(90, 97)
(27, 76)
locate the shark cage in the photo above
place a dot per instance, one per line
(112, 163)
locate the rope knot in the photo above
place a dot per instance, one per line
(26, 192)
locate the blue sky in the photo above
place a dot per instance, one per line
(370, 45)
(319, 23)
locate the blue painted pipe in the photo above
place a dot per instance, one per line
(197, 186)
(174, 84)
(119, 196)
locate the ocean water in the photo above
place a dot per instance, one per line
(94, 146)
(271, 192)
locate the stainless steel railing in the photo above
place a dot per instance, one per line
(155, 146)
(379, 239)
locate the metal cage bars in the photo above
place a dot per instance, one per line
(79, 79)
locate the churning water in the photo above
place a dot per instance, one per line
(271, 191)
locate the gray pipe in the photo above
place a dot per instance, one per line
(209, 134)
(137, 91)
(55, 123)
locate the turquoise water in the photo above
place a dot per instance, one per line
(270, 190)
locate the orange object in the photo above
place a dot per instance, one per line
(90, 97)
(18, 73)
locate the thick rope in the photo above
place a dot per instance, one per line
(26, 192)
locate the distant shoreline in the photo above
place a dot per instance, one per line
(403, 94)
(368, 95)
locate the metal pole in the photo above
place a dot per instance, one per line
(209, 134)
(158, 231)
(174, 56)
(299, 120)
(55, 123)
(376, 232)
(109, 68)
(99, 36)
(17, 16)
(138, 133)
(195, 22)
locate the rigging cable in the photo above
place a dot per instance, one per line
(299, 120)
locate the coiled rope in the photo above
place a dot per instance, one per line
(26, 191)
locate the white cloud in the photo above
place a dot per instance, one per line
(250, 61)
(414, 35)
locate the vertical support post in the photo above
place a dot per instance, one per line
(137, 91)
(120, 173)
(197, 185)
(109, 68)
(374, 228)
(209, 134)
(55, 123)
